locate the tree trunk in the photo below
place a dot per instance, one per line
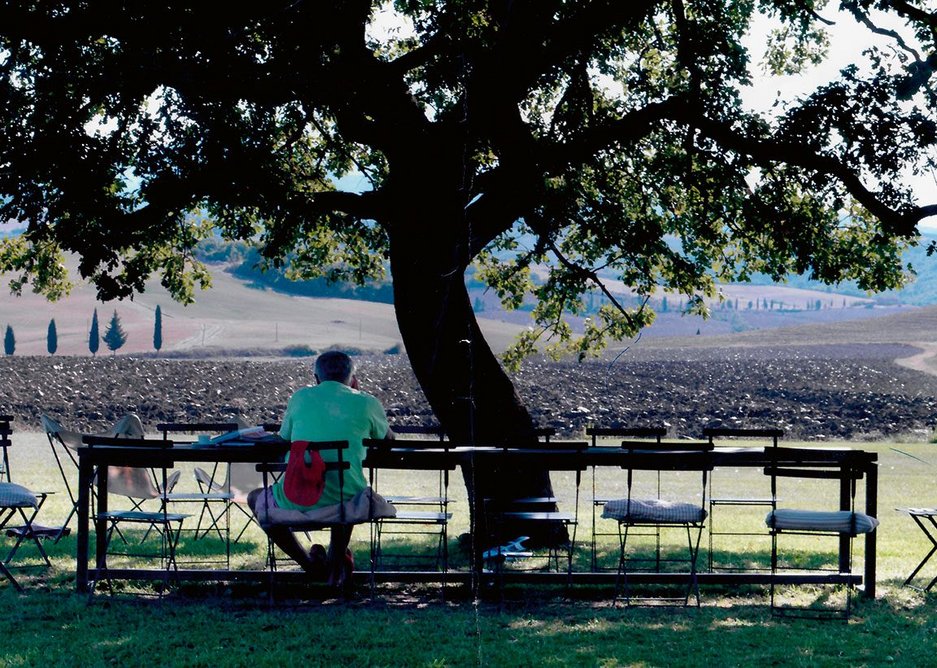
(462, 379)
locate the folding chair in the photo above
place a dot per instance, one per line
(843, 524)
(417, 516)
(650, 511)
(16, 500)
(655, 433)
(64, 443)
(211, 492)
(331, 516)
(926, 520)
(715, 434)
(537, 510)
(138, 486)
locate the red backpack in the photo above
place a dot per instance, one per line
(305, 475)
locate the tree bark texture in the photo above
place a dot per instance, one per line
(470, 393)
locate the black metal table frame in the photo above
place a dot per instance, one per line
(555, 458)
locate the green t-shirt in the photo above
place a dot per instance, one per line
(332, 411)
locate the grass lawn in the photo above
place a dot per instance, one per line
(221, 625)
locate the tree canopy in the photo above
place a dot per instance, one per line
(584, 141)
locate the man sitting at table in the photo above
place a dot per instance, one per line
(332, 410)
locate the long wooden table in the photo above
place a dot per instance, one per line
(403, 455)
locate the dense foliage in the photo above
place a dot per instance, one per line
(604, 129)
(572, 141)
(280, 278)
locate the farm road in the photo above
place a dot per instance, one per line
(923, 360)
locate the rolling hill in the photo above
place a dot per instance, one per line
(236, 317)
(231, 316)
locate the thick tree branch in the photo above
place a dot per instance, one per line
(913, 12)
(629, 128)
(364, 206)
(863, 18)
(764, 151)
(767, 151)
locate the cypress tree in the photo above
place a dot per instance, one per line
(94, 337)
(115, 337)
(52, 338)
(158, 329)
(9, 341)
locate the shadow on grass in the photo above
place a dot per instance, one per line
(200, 625)
(231, 624)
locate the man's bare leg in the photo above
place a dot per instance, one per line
(285, 539)
(341, 537)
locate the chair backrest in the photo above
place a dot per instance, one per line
(131, 481)
(62, 442)
(129, 426)
(774, 433)
(167, 428)
(339, 466)
(656, 432)
(658, 456)
(810, 463)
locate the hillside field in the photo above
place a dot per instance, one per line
(235, 318)
(230, 316)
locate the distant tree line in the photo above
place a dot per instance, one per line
(246, 263)
(114, 336)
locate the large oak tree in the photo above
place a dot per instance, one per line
(585, 139)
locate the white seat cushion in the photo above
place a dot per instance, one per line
(839, 521)
(16, 496)
(653, 510)
(365, 506)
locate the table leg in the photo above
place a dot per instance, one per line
(871, 538)
(100, 524)
(85, 471)
(845, 503)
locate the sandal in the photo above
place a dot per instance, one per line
(319, 568)
(344, 583)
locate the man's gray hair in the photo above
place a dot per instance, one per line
(334, 365)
